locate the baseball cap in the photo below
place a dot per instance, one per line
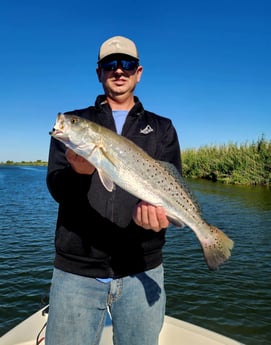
(118, 45)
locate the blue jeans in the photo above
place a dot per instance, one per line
(78, 308)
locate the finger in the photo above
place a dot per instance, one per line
(137, 215)
(152, 219)
(161, 217)
(147, 214)
(70, 155)
(140, 215)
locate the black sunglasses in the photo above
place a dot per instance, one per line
(114, 64)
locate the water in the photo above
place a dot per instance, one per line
(234, 301)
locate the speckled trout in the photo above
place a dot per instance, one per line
(120, 161)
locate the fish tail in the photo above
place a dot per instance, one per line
(216, 248)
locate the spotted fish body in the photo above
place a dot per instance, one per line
(120, 161)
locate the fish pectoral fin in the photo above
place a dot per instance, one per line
(106, 180)
(100, 151)
(107, 156)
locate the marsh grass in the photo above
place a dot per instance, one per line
(248, 163)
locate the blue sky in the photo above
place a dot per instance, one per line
(206, 66)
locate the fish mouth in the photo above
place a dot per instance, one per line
(55, 132)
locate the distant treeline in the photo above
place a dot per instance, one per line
(37, 162)
(248, 164)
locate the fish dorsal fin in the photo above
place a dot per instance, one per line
(106, 180)
(172, 170)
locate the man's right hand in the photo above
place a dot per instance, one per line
(78, 163)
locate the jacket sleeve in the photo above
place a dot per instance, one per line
(168, 147)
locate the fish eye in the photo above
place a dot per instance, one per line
(74, 120)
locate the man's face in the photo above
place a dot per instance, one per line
(119, 75)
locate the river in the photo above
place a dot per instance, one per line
(234, 300)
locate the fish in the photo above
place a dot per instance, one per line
(119, 161)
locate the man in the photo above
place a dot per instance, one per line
(109, 244)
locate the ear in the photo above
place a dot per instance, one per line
(99, 71)
(139, 73)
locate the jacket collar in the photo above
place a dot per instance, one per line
(102, 105)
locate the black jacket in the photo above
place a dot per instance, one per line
(95, 233)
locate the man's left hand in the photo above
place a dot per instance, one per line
(150, 217)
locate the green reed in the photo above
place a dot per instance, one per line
(248, 163)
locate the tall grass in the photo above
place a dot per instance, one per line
(236, 164)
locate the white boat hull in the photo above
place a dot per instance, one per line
(174, 332)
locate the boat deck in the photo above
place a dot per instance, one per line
(174, 332)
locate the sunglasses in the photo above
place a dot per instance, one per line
(124, 64)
